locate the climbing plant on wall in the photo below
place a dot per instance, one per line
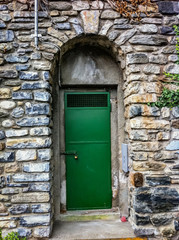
(170, 98)
(127, 8)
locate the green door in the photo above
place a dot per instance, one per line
(87, 134)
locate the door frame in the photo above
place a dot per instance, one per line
(114, 142)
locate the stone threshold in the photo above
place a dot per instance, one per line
(93, 230)
(90, 215)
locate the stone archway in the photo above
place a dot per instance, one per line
(77, 50)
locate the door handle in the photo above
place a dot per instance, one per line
(70, 153)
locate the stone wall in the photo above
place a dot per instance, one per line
(145, 50)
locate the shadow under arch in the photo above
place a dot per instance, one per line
(74, 49)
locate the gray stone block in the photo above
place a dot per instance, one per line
(33, 121)
(27, 177)
(37, 109)
(6, 36)
(29, 75)
(7, 157)
(42, 96)
(22, 96)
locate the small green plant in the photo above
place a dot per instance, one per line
(11, 236)
(170, 98)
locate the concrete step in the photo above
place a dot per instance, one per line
(94, 230)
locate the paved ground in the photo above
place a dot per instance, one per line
(99, 229)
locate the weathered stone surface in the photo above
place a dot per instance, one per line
(142, 220)
(172, 58)
(2, 208)
(14, 58)
(173, 145)
(110, 14)
(41, 208)
(7, 105)
(3, 113)
(140, 135)
(42, 232)
(30, 197)
(164, 155)
(63, 26)
(158, 180)
(2, 135)
(90, 21)
(139, 156)
(28, 143)
(17, 112)
(57, 34)
(28, 75)
(6, 36)
(35, 220)
(78, 29)
(3, 7)
(145, 146)
(36, 167)
(105, 27)
(161, 219)
(40, 131)
(155, 200)
(168, 7)
(9, 191)
(151, 69)
(160, 59)
(112, 35)
(139, 98)
(5, 93)
(136, 58)
(24, 232)
(5, 47)
(44, 154)
(163, 136)
(175, 135)
(148, 166)
(62, 5)
(148, 28)
(33, 121)
(7, 157)
(12, 83)
(35, 85)
(175, 112)
(124, 37)
(26, 155)
(42, 65)
(172, 68)
(19, 209)
(31, 177)
(175, 124)
(144, 232)
(21, 26)
(40, 187)
(137, 179)
(149, 124)
(155, 40)
(22, 96)
(8, 224)
(82, 5)
(157, 21)
(37, 109)
(16, 133)
(8, 123)
(12, 168)
(122, 27)
(2, 147)
(42, 96)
